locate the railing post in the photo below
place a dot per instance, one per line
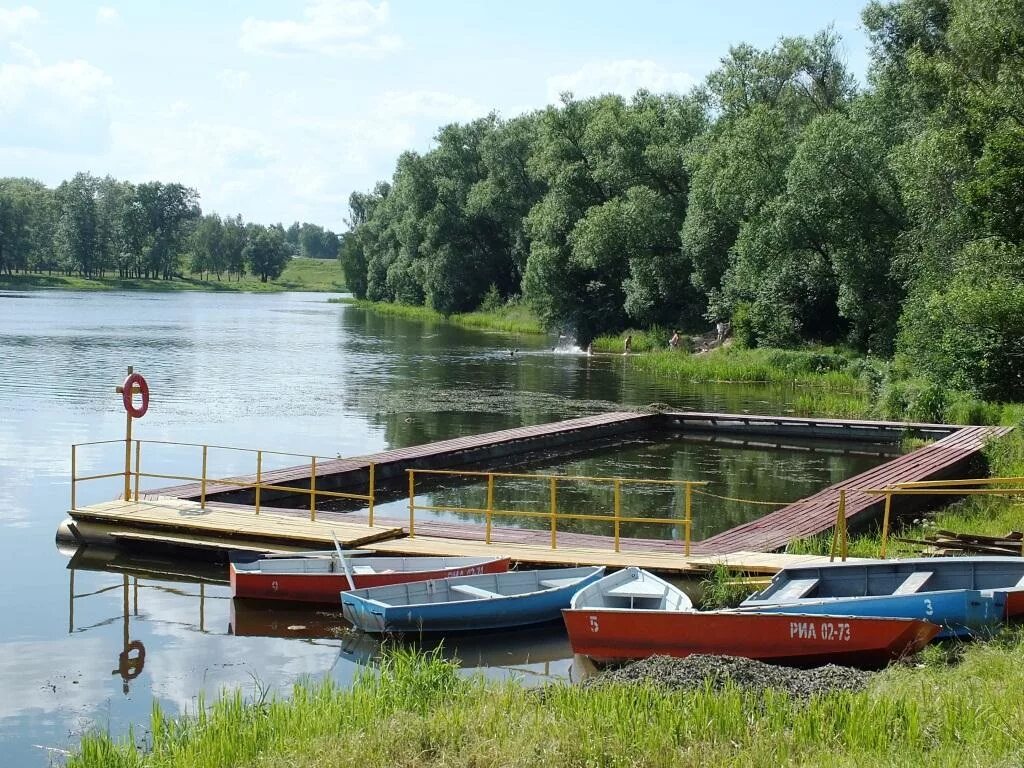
(372, 494)
(259, 478)
(74, 479)
(842, 518)
(202, 481)
(885, 524)
(687, 517)
(554, 512)
(312, 488)
(617, 507)
(412, 503)
(138, 463)
(490, 506)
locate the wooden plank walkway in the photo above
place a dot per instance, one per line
(443, 454)
(817, 513)
(536, 554)
(181, 518)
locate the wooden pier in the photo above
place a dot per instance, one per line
(943, 459)
(173, 517)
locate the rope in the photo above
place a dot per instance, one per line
(743, 501)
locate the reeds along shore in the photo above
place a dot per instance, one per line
(421, 711)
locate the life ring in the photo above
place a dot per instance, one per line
(131, 660)
(130, 383)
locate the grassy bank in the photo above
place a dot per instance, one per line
(421, 713)
(514, 318)
(321, 275)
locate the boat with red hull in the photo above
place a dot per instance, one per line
(319, 578)
(633, 614)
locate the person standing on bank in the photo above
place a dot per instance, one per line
(629, 345)
(673, 343)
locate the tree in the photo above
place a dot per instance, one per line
(266, 251)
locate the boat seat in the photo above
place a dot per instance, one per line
(913, 583)
(795, 589)
(365, 569)
(556, 583)
(469, 589)
(637, 589)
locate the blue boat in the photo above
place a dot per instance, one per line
(962, 594)
(487, 601)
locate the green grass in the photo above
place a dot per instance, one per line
(322, 275)
(512, 318)
(419, 712)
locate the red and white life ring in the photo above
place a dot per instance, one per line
(135, 380)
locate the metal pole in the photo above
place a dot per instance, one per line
(687, 517)
(617, 497)
(842, 519)
(128, 449)
(554, 512)
(885, 524)
(312, 488)
(202, 606)
(373, 493)
(71, 602)
(412, 503)
(490, 506)
(74, 480)
(138, 462)
(259, 478)
(202, 482)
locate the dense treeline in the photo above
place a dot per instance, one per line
(94, 227)
(778, 195)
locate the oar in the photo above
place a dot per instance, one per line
(344, 562)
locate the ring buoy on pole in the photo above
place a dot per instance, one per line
(127, 390)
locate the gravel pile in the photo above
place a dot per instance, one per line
(695, 672)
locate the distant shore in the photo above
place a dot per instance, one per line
(315, 275)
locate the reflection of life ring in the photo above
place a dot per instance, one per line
(127, 389)
(129, 666)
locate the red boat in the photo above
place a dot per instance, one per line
(321, 578)
(633, 614)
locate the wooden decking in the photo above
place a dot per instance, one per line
(817, 513)
(171, 516)
(184, 524)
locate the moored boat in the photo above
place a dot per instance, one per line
(490, 601)
(319, 579)
(633, 614)
(963, 594)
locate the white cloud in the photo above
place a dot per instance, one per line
(429, 104)
(328, 27)
(60, 107)
(107, 15)
(13, 21)
(234, 79)
(623, 76)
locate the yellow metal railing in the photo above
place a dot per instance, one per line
(552, 513)
(942, 488)
(133, 472)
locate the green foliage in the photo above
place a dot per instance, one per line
(969, 336)
(419, 712)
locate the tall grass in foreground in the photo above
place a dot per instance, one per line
(512, 318)
(421, 713)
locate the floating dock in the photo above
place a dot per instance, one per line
(174, 517)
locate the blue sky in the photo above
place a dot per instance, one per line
(278, 110)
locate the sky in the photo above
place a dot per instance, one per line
(279, 110)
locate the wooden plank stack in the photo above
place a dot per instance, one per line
(951, 543)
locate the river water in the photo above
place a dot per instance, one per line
(288, 372)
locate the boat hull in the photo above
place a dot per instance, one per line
(959, 613)
(504, 612)
(324, 587)
(607, 635)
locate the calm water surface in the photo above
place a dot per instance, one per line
(293, 373)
